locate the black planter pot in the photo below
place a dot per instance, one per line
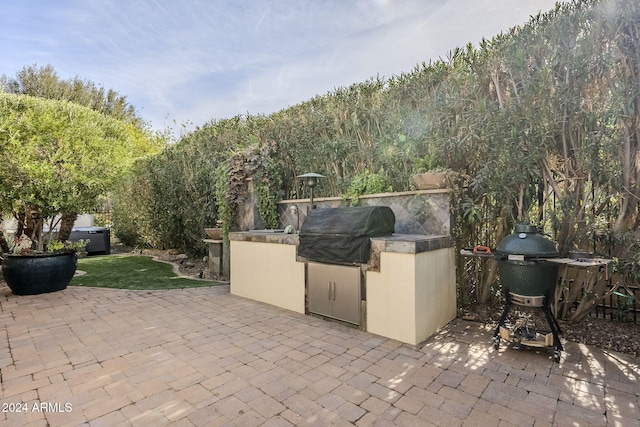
(39, 273)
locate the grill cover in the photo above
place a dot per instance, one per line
(342, 235)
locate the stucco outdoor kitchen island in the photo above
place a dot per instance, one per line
(407, 290)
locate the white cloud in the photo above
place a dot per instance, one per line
(390, 47)
(198, 60)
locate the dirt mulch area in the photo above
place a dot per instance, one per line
(623, 337)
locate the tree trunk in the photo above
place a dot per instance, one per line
(66, 225)
(20, 218)
(3, 241)
(38, 235)
(491, 277)
(30, 225)
(620, 224)
(503, 231)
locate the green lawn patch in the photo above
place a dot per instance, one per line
(132, 272)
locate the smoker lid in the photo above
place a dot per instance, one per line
(527, 240)
(370, 221)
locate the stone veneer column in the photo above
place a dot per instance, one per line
(248, 216)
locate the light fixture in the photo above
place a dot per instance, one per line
(311, 180)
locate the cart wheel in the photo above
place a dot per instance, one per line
(556, 356)
(496, 342)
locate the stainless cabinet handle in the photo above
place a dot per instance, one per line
(329, 291)
(334, 291)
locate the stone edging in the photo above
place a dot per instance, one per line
(175, 269)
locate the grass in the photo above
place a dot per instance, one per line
(131, 272)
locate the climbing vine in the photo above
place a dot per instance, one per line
(254, 162)
(268, 187)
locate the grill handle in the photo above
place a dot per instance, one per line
(481, 249)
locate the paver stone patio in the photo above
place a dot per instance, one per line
(203, 357)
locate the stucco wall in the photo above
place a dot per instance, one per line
(412, 296)
(268, 272)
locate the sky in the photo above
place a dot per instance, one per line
(184, 63)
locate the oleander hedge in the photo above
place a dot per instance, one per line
(540, 123)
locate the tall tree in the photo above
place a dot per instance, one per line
(44, 82)
(57, 157)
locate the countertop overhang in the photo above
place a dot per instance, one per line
(399, 243)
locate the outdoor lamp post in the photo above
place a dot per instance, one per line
(311, 180)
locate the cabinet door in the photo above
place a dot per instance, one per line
(346, 293)
(319, 297)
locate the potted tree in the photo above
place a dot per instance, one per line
(28, 272)
(55, 157)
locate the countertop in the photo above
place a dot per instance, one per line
(399, 243)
